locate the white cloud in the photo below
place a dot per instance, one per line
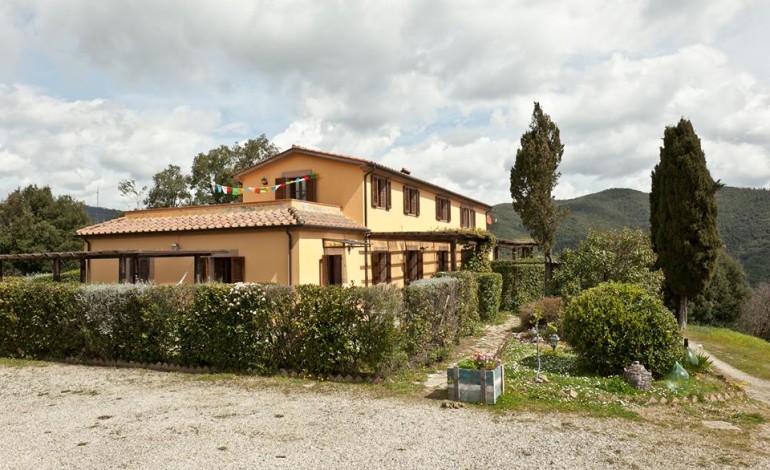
(78, 146)
(445, 88)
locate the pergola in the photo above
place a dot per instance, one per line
(128, 260)
(454, 238)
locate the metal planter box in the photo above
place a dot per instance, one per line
(475, 385)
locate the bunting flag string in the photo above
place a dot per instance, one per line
(234, 190)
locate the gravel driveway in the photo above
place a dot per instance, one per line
(67, 416)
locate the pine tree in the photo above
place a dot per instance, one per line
(533, 178)
(683, 215)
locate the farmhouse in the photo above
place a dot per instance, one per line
(307, 217)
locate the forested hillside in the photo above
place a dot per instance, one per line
(100, 214)
(744, 222)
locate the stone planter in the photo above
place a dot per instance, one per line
(475, 385)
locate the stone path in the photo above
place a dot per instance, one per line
(492, 339)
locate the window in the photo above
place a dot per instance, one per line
(467, 218)
(300, 187)
(413, 268)
(380, 192)
(443, 209)
(380, 267)
(332, 270)
(137, 270)
(443, 260)
(411, 201)
(222, 269)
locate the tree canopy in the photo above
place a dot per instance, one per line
(533, 177)
(683, 215)
(32, 220)
(171, 187)
(218, 166)
(621, 255)
(720, 304)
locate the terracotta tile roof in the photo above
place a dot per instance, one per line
(240, 217)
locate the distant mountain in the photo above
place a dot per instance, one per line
(101, 214)
(744, 222)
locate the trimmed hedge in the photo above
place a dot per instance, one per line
(614, 324)
(490, 295)
(522, 282)
(253, 328)
(433, 318)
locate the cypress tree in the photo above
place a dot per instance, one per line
(683, 215)
(533, 178)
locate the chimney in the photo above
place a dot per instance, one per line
(405, 171)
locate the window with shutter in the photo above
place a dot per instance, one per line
(411, 201)
(380, 192)
(332, 270)
(443, 209)
(380, 267)
(413, 268)
(467, 218)
(280, 193)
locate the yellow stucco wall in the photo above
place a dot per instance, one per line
(338, 183)
(266, 254)
(394, 220)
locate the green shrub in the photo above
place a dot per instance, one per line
(431, 318)
(523, 282)
(490, 291)
(230, 327)
(346, 330)
(36, 319)
(614, 324)
(468, 299)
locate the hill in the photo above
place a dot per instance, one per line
(101, 214)
(744, 222)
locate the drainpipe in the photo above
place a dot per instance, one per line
(290, 244)
(366, 224)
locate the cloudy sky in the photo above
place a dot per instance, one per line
(95, 92)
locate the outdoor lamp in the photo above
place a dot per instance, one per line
(264, 181)
(175, 246)
(553, 340)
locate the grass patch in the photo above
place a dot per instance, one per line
(596, 395)
(10, 362)
(747, 353)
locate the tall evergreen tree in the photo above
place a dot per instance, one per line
(683, 215)
(533, 177)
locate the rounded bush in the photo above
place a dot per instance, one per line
(614, 324)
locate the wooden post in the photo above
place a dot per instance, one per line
(121, 269)
(496, 255)
(197, 269)
(83, 271)
(57, 269)
(453, 255)
(1, 270)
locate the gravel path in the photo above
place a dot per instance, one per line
(756, 388)
(67, 416)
